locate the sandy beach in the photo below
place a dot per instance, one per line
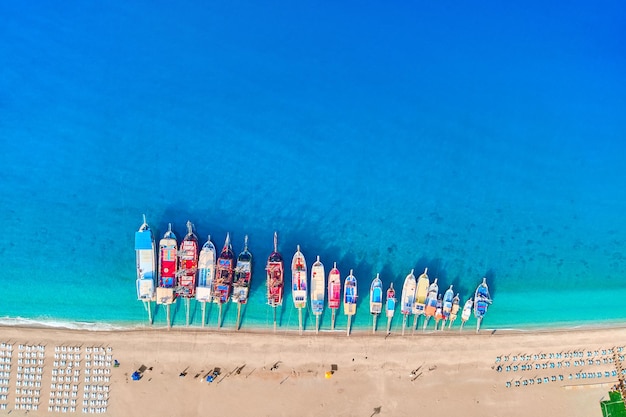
(265, 374)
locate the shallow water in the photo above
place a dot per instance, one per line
(476, 142)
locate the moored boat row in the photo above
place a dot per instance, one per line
(183, 272)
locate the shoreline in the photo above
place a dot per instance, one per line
(19, 322)
(333, 334)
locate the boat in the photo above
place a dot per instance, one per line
(376, 300)
(334, 292)
(408, 297)
(318, 278)
(431, 302)
(421, 292)
(224, 271)
(188, 264)
(242, 275)
(448, 297)
(187, 269)
(168, 259)
(438, 311)
(206, 275)
(390, 306)
(482, 299)
(349, 298)
(275, 278)
(455, 310)
(298, 283)
(466, 312)
(145, 253)
(241, 282)
(168, 267)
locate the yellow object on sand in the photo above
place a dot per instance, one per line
(328, 374)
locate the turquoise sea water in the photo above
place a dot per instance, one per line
(473, 140)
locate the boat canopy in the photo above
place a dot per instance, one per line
(143, 240)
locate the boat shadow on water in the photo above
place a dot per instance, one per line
(491, 280)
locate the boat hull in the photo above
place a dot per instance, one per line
(350, 296)
(318, 289)
(408, 295)
(145, 250)
(334, 293)
(481, 300)
(376, 304)
(206, 272)
(241, 286)
(275, 284)
(390, 303)
(186, 286)
(168, 265)
(223, 280)
(421, 293)
(299, 280)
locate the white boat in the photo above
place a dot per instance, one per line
(408, 297)
(145, 253)
(206, 271)
(466, 313)
(206, 275)
(376, 300)
(318, 290)
(298, 283)
(298, 279)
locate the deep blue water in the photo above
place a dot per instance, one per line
(475, 140)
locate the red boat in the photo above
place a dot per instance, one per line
(334, 287)
(275, 278)
(224, 273)
(334, 293)
(168, 249)
(168, 266)
(188, 265)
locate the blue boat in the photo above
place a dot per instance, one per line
(376, 295)
(448, 297)
(376, 300)
(145, 251)
(482, 299)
